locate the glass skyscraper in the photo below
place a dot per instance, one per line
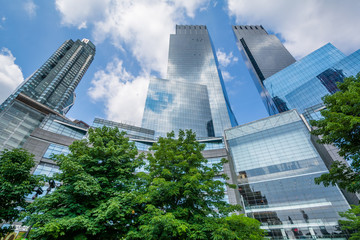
(287, 84)
(276, 161)
(264, 56)
(49, 90)
(303, 84)
(193, 96)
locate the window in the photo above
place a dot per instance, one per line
(56, 149)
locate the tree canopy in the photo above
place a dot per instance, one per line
(352, 222)
(95, 200)
(184, 196)
(15, 183)
(104, 196)
(341, 126)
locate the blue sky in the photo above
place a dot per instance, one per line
(132, 37)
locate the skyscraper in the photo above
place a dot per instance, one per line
(193, 96)
(300, 85)
(285, 84)
(264, 56)
(303, 84)
(49, 90)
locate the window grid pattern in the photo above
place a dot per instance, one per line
(173, 105)
(56, 149)
(193, 63)
(131, 130)
(276, 164)
(304, 83)
(17, 122)
(266, 56)
(213, 145)
(48, 170)
(49, 124)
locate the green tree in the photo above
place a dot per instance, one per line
(341, 127)
(183, 196)
(98, 193)
(15, 183)
(352, 224)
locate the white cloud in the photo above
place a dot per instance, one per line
(305, 25)
(3, 19)
(142, 26)
(224, 61)
(30, 8)
(224, 58)
(10, 74)
(124, 95)
(80, 12)
(227, 76)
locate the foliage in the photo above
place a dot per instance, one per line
(15, 183)
(97, 197)
(341, 127)
(353, 223)
(183, 197)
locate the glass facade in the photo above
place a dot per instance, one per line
(131, 131)
(53, 84)
(304, 83)
(55, 149)
(17, 121)
(276, 180)
(193, 92)
(264, 56)
(213, 144)
(49, 90)
(60, 126)
(48, 170)
(173, 105)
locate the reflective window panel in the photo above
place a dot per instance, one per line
(276, 162)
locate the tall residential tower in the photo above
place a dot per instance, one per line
(49, 90)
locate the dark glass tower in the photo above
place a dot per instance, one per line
(49, 90)
(264, 56)
(193, 96)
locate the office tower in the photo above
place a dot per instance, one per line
(264, 56)
(49, 90)
(276, 160)
(287, 84)
(303, 84)
(193, 96)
